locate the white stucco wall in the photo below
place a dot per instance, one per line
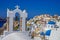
(55, 34)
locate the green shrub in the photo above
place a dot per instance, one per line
(15, 28)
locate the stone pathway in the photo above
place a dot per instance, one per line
(18, 36)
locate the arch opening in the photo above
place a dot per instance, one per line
(16, 22)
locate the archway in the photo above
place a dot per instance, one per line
(11, 15)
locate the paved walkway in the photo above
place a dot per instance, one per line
(18, 36)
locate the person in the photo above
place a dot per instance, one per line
(32, 33)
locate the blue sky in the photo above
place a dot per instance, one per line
(33, 7)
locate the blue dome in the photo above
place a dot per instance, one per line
(48, 32)
(42, 33)
(51, 22)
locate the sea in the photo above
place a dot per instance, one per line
(2, 23)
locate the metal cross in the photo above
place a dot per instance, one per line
(17, 7)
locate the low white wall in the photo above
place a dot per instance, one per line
(55, 34)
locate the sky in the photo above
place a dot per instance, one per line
(33, 7)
